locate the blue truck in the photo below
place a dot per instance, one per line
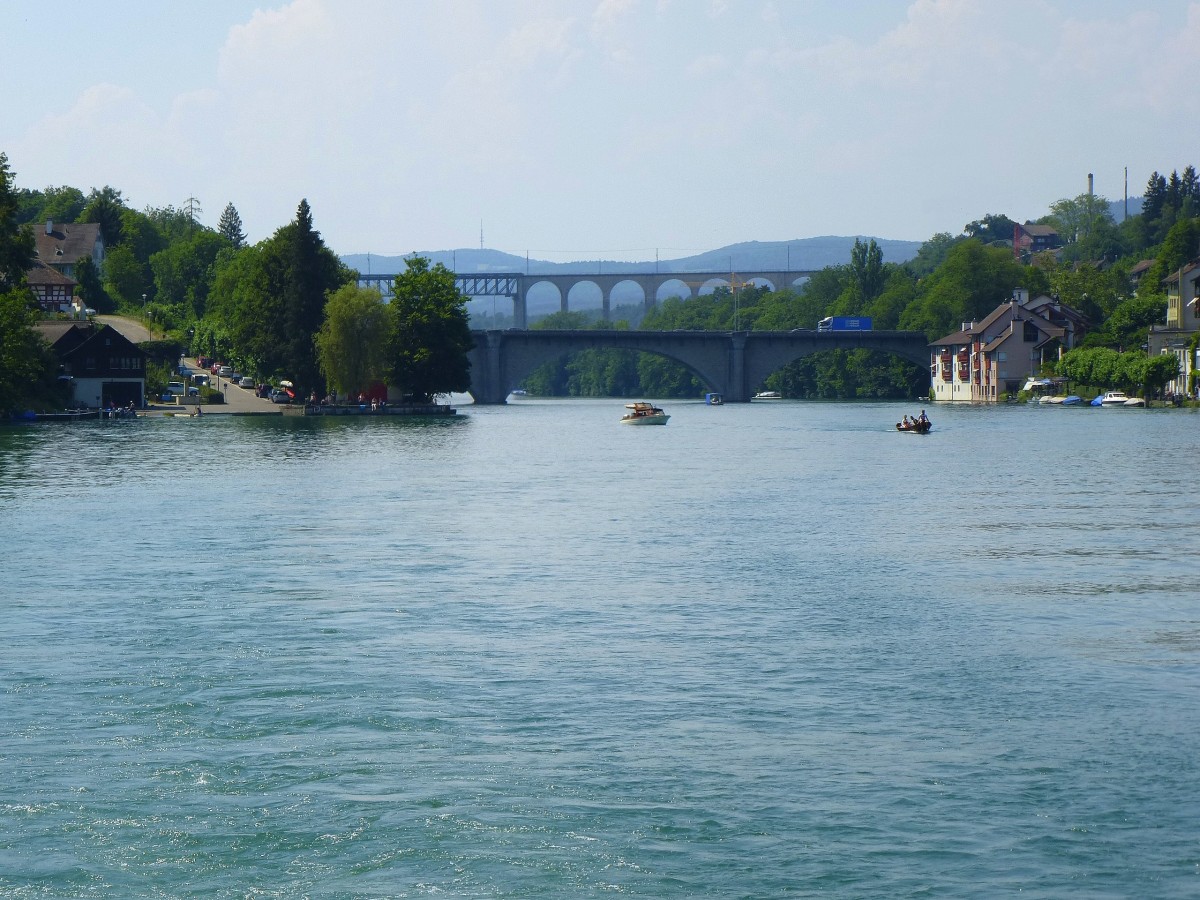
(845, 323)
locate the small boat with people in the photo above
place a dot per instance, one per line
(915, 424)
(643, 413)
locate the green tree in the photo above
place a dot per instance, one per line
(183, 272)
(104, 206)
(971, 282)
(1078, 220)
(866, 271)
(172, 224)
(352, 343)
(1129, 324)
(1179, 247)
(303, 271)
(16, 241)
(245, 306)
(932, 254)
(430, 334)
(1156, 371)
(230, 227)
(991, 228)
(126, 278)
(91, 287)
(56, 204)
(26, 364)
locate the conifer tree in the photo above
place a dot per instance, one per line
(230, 227)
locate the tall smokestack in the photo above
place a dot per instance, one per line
(1089, 184)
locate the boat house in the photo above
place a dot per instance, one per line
(101, 364)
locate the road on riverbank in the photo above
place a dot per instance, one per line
(237, 399)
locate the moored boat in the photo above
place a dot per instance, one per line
(643, 413)
(1072, 400)
(768, 395)
(1134, 401)
(1114, 398)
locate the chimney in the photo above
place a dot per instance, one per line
(49, 226)
(1089, 184)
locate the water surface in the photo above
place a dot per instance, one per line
(767, 650)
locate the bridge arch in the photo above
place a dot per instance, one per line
(733, 363)
(774, 351)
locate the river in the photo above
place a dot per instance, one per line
(771, 649)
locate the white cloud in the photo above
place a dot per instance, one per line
(577, 122)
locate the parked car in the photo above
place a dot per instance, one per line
(204, 361)
(235, 377)
(246, 382)
(279, 395)
(225, 371)
(175, 388)
(200, 378)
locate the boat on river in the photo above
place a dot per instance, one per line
(768, 395)
(915, 426)
(643, 413)
(1114, 398)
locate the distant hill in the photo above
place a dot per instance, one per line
(798, 255)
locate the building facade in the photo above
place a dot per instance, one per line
(1183, 321)
(988, 361)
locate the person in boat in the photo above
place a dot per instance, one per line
(923, 419)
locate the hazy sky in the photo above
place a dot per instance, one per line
(580, 129)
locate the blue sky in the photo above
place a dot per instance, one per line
(580, 129)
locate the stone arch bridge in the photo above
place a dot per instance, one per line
(516, 285)
(734, 364)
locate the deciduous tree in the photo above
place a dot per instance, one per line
(431, 334)
(352, 343)
(16, 242)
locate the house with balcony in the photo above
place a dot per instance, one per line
(1183, 321)
(101, 364)
(988, 361)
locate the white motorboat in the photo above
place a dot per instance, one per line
(1134, 401)
(768, 395)
(643, 413)
(1114, 398)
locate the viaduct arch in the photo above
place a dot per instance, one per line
(732, 363)
(516, 285)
